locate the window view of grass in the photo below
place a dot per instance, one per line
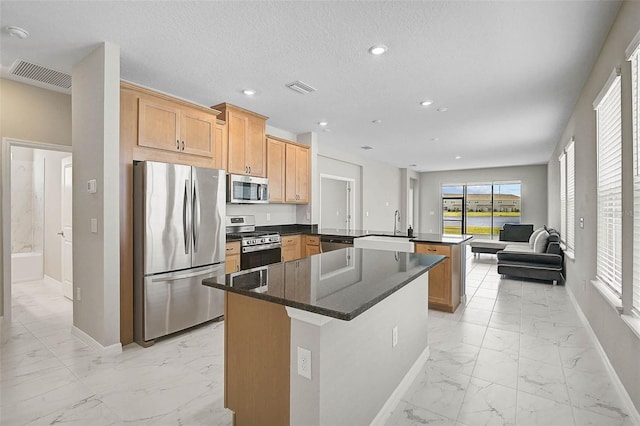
(486, 209)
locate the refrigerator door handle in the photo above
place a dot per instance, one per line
(185, 217)
(195, 224)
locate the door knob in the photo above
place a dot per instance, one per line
(61, 233)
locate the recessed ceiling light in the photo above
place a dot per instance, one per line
(458, 157)
(378, 49)
(377, 121)
(322, 123)
(441, 109)
(426, 103)
(249, 92)
(18, 32)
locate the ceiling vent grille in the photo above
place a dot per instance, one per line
(301, 87)
(366, 147)
(41, 74)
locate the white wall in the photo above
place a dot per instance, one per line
(620, 344)
(534, 192)
(33, 114)
(96, 124)
(380, 188)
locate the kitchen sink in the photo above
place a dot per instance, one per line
(379, 242)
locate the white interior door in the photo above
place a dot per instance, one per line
(66, 232)
(336, 202)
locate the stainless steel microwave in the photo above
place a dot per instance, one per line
(247, 189)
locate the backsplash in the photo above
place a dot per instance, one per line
(266, 214)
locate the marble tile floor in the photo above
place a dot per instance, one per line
(516, 354)
(48, 376)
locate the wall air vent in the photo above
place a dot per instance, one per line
(366, 147)
(41, 74)
(301, 87)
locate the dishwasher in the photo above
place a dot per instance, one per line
(330, 243)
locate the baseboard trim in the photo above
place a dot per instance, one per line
(393, 400)
(617, 383)
(114, 349)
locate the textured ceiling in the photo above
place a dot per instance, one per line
(509, 72)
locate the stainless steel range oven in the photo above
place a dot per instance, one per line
(258, 248)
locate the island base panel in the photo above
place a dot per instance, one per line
(257, 339)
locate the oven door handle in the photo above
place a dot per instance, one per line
(252, 249)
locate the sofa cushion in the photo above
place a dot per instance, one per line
(540, 244)
(518, 248)
(533, 236)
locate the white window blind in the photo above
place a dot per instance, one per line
(563, 196)
(571, 197)
(635, 98)
(609, 224)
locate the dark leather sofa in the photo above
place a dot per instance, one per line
(520, 260)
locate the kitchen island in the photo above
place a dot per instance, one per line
(332, 338)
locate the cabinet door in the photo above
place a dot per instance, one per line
(440, 283)
(291, 194)
(302, 174)
(158, 124)
(311, 250)
(275, 170)
(255, 147)
(232, 264)
(219, 147)
(291, 247)
(197, 132)
(237, 132)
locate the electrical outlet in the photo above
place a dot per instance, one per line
(304, 362)
(78, 298)
(394, 336)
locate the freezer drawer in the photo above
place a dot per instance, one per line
(178, 300)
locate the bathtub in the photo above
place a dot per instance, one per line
(26, 267)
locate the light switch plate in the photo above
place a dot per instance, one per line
(92, 186)
(94, 225)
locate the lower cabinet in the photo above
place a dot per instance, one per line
(233, 257)
(311, 245)
(291, 247)
(444, 279)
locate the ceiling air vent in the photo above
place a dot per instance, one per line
(366, 147)
(301, 87)
(41, 74)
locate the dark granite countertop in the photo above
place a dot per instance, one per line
(340, 284)
(332, 232)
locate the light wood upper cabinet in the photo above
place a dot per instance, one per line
(220, 148)
(297, 174)
(275, 169)
(247, 153)
(170, 126)
(288, 171)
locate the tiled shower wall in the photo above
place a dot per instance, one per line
(27, 201)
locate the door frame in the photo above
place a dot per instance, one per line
(7, 144)
(351, 198)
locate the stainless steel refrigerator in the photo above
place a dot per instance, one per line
(179, 240)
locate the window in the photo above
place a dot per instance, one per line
(563, 195)
(567, 197)
(571, 198)
(609, 194)
(634, 58)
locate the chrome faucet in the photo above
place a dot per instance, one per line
(396, 219)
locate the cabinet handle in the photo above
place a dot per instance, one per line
(229, 249)
(249, 169)
(183, 145)
(178, 145)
